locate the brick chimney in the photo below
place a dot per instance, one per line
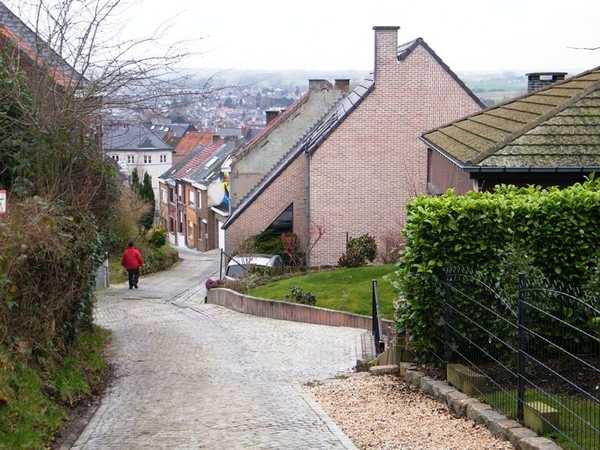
(318, 85)
(386, 47)
(272, 113)
(538, 80)
(343, 85)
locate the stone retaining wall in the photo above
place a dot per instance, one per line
(291, 311)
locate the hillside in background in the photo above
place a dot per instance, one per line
(492, 88)
(495, 87)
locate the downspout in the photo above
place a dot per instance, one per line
(307, 211)
(176, 214)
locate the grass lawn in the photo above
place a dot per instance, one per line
(342, 289)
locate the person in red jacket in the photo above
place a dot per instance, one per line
(132, 261)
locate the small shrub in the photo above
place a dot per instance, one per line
(158, 238)
(297, 295)
(212, 283)
(358, 251)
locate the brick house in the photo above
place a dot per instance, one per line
(194, 200)
(354, 172)
(134, 146)
(547, 137)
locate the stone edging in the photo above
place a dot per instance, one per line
(462, 405)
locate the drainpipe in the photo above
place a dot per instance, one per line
(176, 198)
(307, 212)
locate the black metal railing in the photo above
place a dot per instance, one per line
(377, 322)
(538, 348)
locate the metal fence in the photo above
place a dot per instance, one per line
(531, 352)
(377, 330)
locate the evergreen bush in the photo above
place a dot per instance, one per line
(551, 233)
(359, 251)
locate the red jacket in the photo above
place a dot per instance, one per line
(132, 258)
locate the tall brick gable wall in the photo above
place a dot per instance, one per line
(366, 172)
(363, 175)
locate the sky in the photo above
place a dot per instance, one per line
(468, 35)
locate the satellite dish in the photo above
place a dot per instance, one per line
(215, 193)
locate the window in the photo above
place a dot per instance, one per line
(213, 160)
(180, 193)
(115, 157)
(130, 159)
(171, 195)
(147, 159)
(163, 195)
(283, 223)
(163, 158)
(199, 196)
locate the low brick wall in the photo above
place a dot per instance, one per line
(290, 311)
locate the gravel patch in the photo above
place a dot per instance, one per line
(385, 412)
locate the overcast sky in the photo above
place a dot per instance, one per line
(469, 35)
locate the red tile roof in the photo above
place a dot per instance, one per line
(191, 140)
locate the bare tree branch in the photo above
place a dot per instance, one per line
(584, 48)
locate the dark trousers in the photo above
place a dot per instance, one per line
(134, 276)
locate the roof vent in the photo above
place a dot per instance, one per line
(538, 80)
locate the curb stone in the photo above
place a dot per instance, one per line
(462, 405)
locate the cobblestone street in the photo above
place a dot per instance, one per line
(191, 375)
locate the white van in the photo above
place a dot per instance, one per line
(241, 265)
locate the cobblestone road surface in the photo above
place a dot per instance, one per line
(190, 375)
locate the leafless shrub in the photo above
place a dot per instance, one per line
(391, 244)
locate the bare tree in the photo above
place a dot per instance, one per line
(62, 64)
(67, 66)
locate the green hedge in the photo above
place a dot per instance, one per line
(553, 234)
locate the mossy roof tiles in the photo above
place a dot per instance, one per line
(557, 126)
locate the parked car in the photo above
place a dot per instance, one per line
(240, 266)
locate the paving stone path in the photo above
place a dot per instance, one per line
(190, 375)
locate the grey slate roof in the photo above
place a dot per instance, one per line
(131, 136)
(206, 175)
(554, 127)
